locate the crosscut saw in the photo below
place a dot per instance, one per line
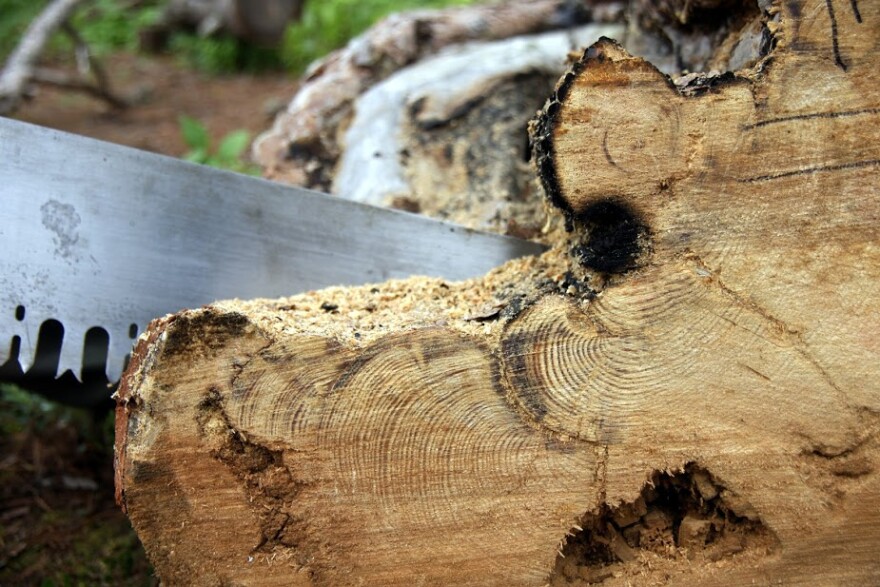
(100, 239)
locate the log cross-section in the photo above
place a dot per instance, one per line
(684, 390)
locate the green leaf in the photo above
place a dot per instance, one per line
(197, 155)
(194, 133)
(233, 145)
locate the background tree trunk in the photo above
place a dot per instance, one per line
(684, 390)
(258, 21)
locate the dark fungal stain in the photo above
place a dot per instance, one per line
(208, 329)
(542, 135)
(571, 284)
(613, 237)
(543, 125)
(515, 348)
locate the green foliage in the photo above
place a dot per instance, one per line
(105, 25)
(227, 155)
(223, 54)
(15, 16)
(75, 537)
(329, 24)
(23, 410)
(325, 25)
(113, 25)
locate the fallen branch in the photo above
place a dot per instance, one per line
(17, 74)
(59, 79)
(90, 64)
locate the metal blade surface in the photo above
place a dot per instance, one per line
(95, 235)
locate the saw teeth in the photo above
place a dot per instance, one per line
(72, 348)
(44, 342)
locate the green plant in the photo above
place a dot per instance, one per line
(15, 16)
(330, 24)
(222, 53)
(112, 25)
(227, 155)
(105, 25)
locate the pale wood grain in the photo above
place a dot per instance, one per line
(683, 391)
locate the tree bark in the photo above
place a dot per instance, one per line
(305, 142)
(684, 390)
(448, 138)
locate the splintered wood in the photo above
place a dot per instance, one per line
(684, 390)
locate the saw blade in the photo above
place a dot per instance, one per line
(104, 238)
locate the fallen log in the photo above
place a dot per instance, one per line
(684, 390)
(305, 141)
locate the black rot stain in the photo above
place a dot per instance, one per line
(330, 307)
(542, 131)
(614, 238)
(208, 328)
(607, 153)
(812, 170)
(812, 116)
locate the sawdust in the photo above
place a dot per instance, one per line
(358, 316)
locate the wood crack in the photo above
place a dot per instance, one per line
(794, 336)
(835, 43)
(811, 170)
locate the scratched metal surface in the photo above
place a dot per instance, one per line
(98, 235)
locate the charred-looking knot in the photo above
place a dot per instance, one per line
(613, 238)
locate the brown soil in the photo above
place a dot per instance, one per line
(160, 89)
(59, 524)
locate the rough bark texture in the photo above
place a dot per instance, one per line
(305, 142)
(448, 137)
(684, 390)
(388, 121)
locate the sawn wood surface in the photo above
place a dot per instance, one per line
(699, 404)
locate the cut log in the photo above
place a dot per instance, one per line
(684, 390)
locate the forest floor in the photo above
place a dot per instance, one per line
(161, 89)
(59, 524)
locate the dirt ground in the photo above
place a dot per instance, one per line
(59, 524)
(160, 89)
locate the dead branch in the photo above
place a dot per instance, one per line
(15, 77)
(88, 63)
(59, 79)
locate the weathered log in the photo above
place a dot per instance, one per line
(445, 134)
(684, 390)
(447, 137)
(305, 142)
